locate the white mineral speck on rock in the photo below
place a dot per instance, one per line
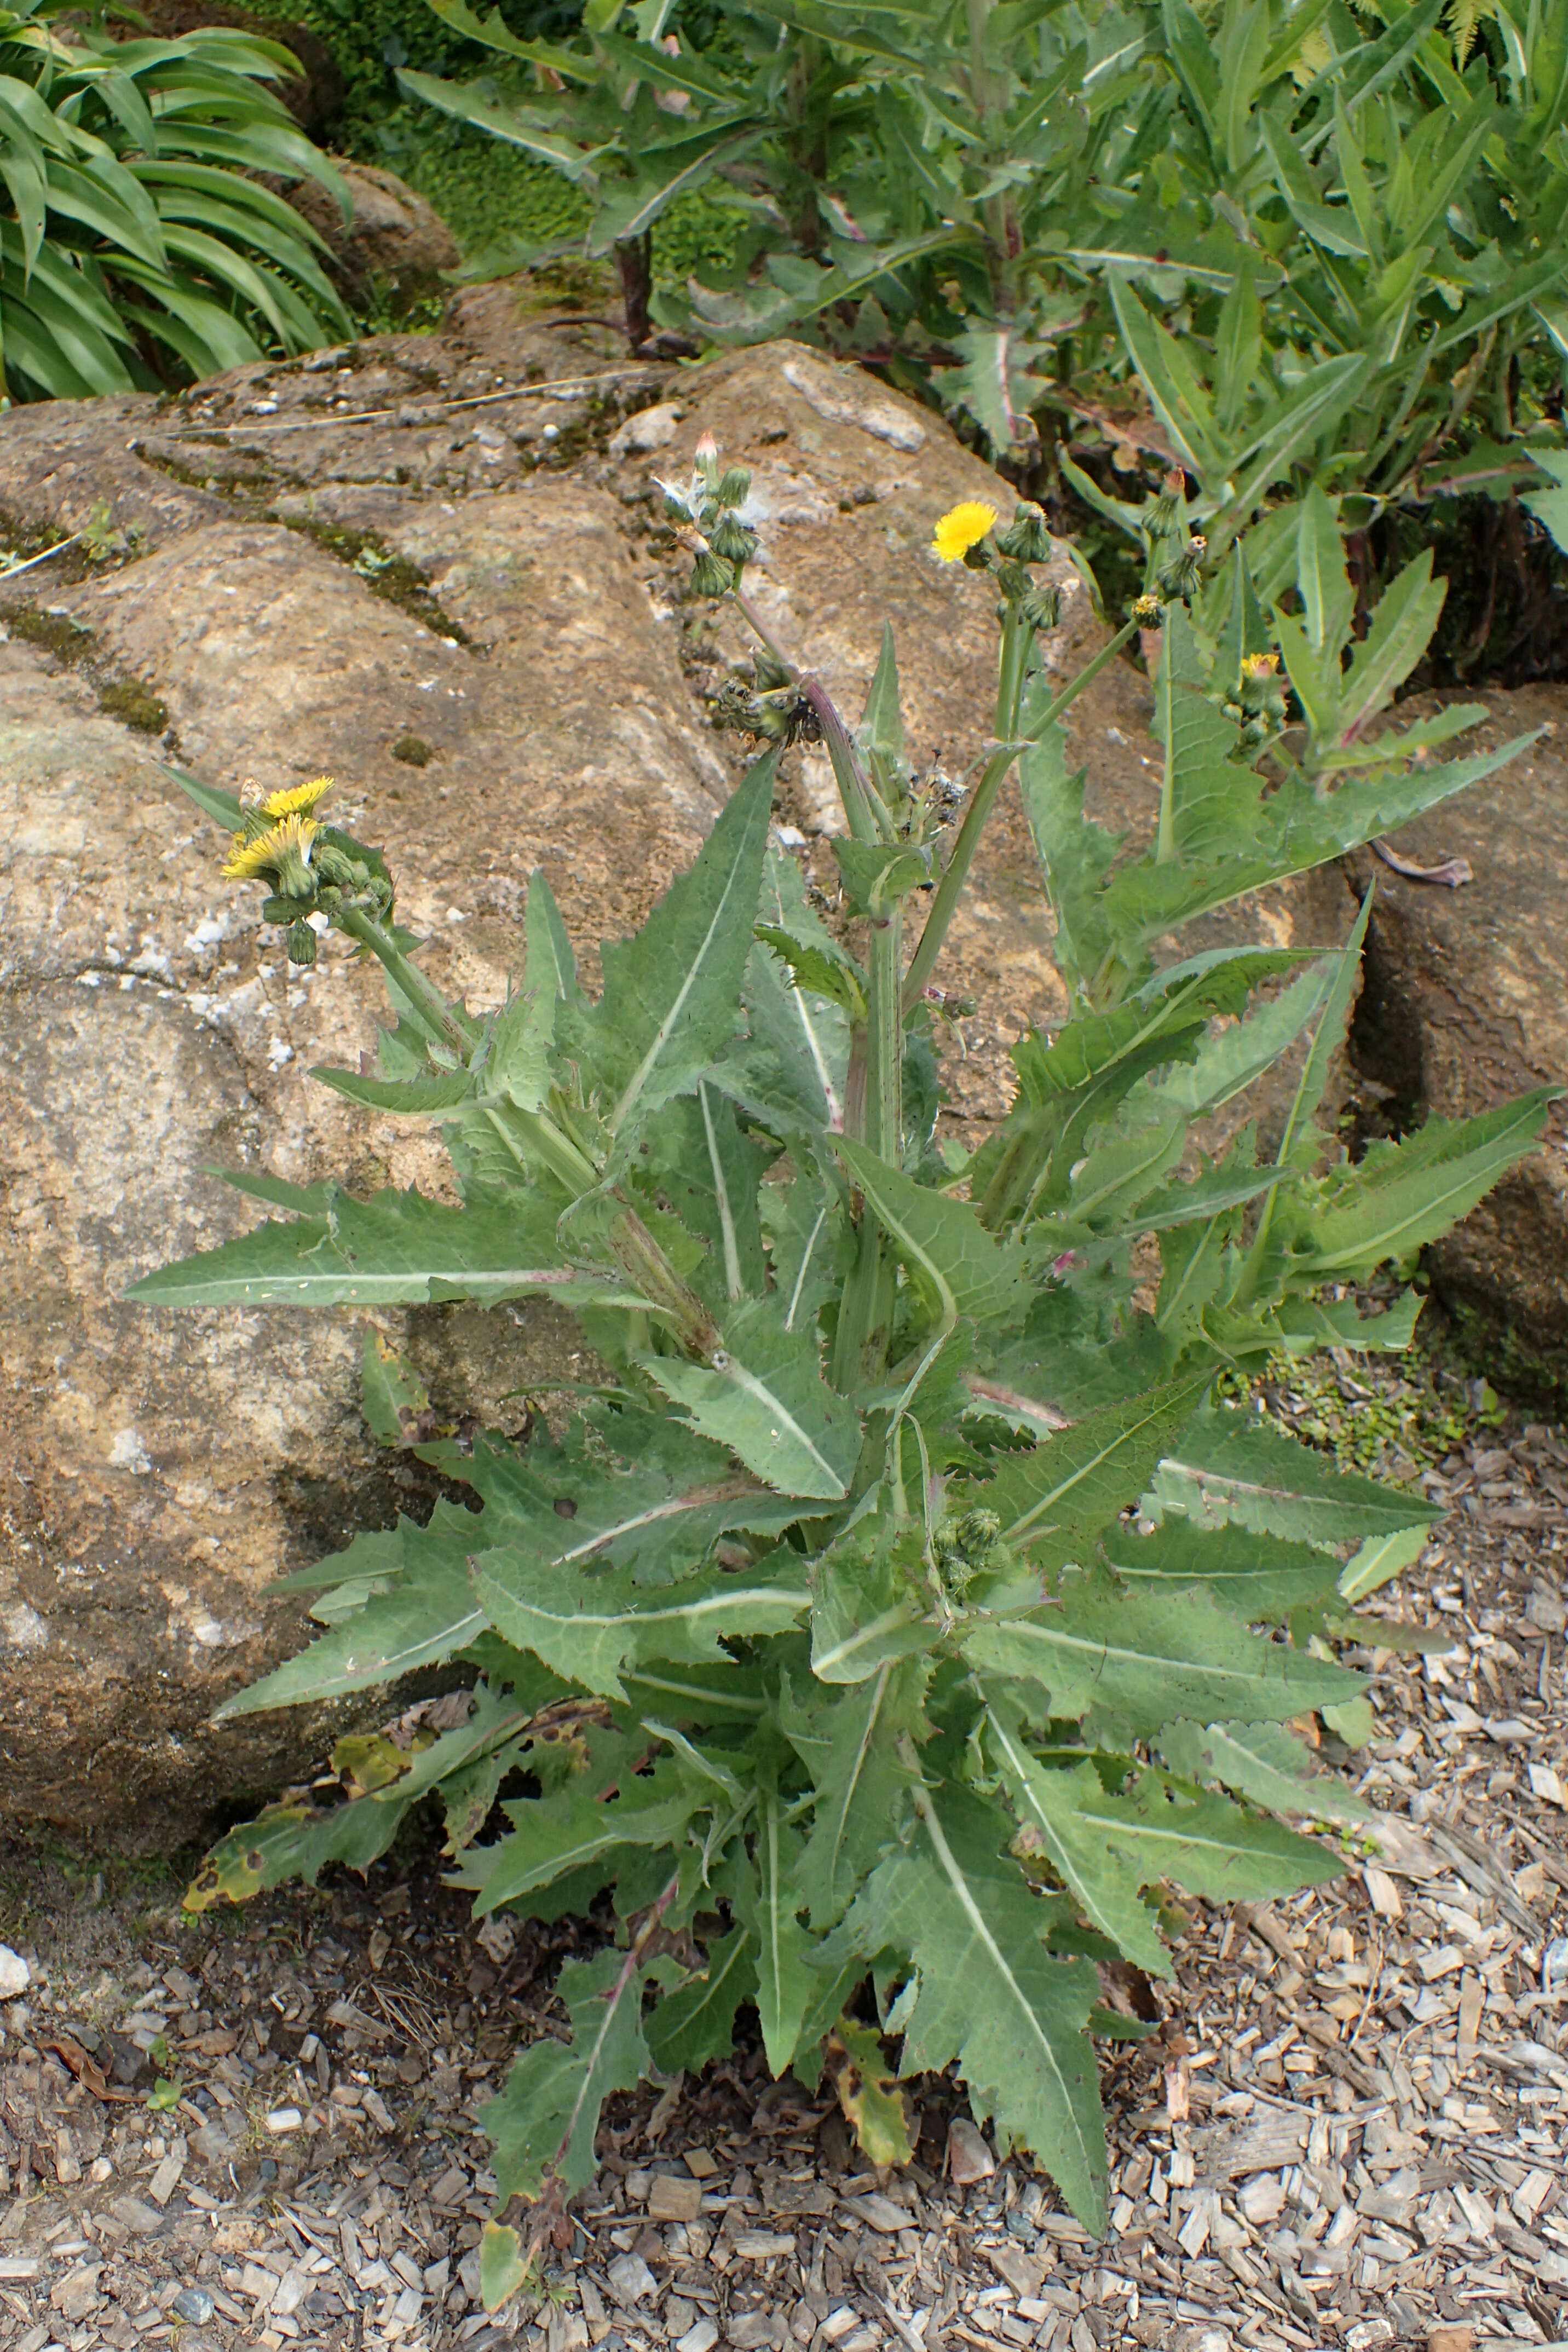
(16, 1976)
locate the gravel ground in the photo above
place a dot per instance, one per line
(1352, 2129)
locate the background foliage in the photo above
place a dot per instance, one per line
(1277, 244)
(136, 239)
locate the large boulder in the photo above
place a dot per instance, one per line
(392, 240)
(435, 566)
(1465, 1005)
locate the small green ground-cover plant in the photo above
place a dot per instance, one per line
(138, 239)
(903, 1611)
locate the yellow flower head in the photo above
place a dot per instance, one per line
(960, 529)
(1146, 611)
(287, 847)
(1259, 665)
(297, 799)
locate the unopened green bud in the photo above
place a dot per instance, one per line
(301, 942)
(1179, 573)
(711, 575)
(1026, 538)
(1043, 607)
(1163, 517)
(1014, 583)
(732, 541)
(734, 486)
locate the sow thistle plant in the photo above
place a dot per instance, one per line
(901, 1615)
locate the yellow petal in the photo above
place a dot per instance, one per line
(297, 799)
(268, 851)
(961, 528)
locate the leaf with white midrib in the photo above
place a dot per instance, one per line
(695, 2022)
(1079, 1480)
(1134, 1659)
(587, 1630)
(762, 1394)
(672, 992)
(1229, 1466)
(425, 1617)
(397, 1248)
(1262, 1761)
(1043, 1800)
(988, 1993)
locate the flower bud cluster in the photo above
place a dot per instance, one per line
(777, 714)
(969, 534)
(311, 868)
(706, 515)
(1259, 704)
(965, 1548)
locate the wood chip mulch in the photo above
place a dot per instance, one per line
(1352, 2131)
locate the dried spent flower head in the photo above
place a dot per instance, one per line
(961, 528)
(251, 795)
(295, 799)
(1147, 612)
(283, 855)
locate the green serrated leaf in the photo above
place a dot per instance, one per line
(580, 1828)
(762, 1395)
(1262, 1761)
(544, 2121)
(1256, 1576)
(1407, 1193)
(1233, 1467)
(769, 1904)
(987, 1992)
(589, 1629)
(1052, 1500)
(695, 2022)
(1131, 1660)
(853, 1750)
(427, 1615)
(671, 995)
(949, 1256)
(395, 1249)
(868, 1606)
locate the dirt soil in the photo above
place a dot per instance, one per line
(262, 2127)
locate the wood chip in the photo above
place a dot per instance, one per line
(1382, 1893)
(671, 2199)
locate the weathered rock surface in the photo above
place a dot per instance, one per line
(1465, 1005)
(418, 565)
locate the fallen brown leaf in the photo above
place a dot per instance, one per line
(85, 2069)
